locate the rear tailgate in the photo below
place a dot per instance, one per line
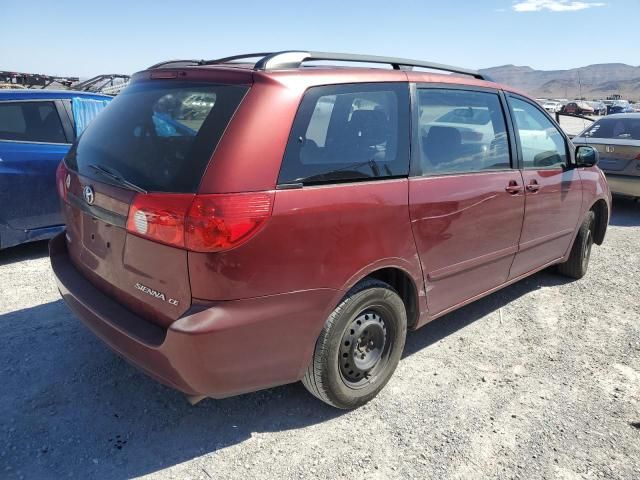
(155, 139)
(147, 277)
(617, 139)
(620, 157)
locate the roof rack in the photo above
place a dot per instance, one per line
(195, 63)
(294, 59)
(290, 59)
(177, 63)
(237, 57)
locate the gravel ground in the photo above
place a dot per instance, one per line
(540, 380)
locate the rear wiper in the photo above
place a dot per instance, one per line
(114, 175)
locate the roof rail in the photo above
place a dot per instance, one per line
(237, 57)
(294, 59)
(177, 63)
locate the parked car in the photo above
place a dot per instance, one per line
(37, 128)
(621, 106)
(617, 139)
(552, 107)
(578, 108)
(305, 220)
(599, 108)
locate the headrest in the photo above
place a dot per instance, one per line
(445, 136)
(370, 126)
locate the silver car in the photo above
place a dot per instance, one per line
(617, 139)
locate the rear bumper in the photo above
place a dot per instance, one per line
(10, 237)
(215, 349)
(623, 185)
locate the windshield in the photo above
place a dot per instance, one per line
(614, 128)
(157, 134)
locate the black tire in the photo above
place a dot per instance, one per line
(359, 347)
(578, 262)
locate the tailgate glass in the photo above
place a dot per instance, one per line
(158, 134)
(621, 128)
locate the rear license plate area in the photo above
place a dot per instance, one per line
(96, 236)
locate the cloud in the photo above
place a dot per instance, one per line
(553, 5)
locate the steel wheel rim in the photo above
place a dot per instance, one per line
(364, 347)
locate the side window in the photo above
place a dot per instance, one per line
(85, 110)
(461, 131)
(542, 144)
(31, 122)
(349, 132)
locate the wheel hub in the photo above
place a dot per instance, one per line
(362, 346)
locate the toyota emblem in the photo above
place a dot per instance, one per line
(88, 194)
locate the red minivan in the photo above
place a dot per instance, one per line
(233, 226)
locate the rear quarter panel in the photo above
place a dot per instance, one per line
(250, 152)
(317, 237)
(594, 187)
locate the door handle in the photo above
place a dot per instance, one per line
(513, 188)
(533, 186)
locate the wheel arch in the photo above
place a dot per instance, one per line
(401, 280)
(600, 209)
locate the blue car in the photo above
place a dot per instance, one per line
(37, 128)
(621, 108)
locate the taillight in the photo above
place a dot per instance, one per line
(220, 222)
(63, 180)
(201, 223)
(159, 217)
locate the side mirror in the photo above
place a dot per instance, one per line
(586, 156)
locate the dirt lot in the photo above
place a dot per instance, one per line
(540, 380)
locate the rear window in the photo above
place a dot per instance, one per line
(158, 134)
(614, 128)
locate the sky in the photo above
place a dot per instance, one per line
(84, 38)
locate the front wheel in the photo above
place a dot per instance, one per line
(359, 347)
(578, 261)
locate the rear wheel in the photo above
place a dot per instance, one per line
(359, 347)
(578, 262)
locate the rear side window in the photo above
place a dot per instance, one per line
(85, 110)
(158, 134)
(347, 133)
(31, 122)
(614, 128)
(461, 131)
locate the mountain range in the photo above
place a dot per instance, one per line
(591, 82)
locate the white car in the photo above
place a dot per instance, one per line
(552, 107)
